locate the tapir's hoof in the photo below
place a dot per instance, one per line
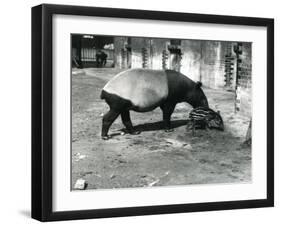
(169, 130)
(107, 137)
(134, 132)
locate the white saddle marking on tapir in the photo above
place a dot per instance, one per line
(143, 87)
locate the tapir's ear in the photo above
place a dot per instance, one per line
(198, 84)
(219, 112)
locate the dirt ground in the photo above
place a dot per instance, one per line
(153, 158)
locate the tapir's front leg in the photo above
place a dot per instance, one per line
(167, 109)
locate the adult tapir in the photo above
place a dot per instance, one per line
(143, 90)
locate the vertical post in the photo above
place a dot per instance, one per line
(165, 57)
(249, 134)
(229, 62)
(79, 51)
(123, 58)
(144, 58)
(201, 61)
(150, 53)
(238, 52)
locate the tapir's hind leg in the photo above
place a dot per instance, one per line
(116, 105)
(125, 116)
(107, 121)
(167, 110)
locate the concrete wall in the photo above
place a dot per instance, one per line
(212, 64)
(119, 45)
(138, 45)
(191, 58)
(244, 85)
(200, 60)
(156, 51)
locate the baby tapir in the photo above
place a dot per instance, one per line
(143, 90)
(204, 117)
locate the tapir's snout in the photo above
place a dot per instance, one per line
(221, 128)
(217, 122)
(204, 103)
(198, 97)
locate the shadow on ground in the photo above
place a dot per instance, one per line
(159, 125)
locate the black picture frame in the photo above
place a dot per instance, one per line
(42, 106)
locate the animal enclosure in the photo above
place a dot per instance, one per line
(155, 157)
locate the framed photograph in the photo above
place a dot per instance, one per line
(146, 112)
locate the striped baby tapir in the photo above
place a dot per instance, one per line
(205, 117)
(143, 90)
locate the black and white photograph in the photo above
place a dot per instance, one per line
(149, 112)
(141, 112)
